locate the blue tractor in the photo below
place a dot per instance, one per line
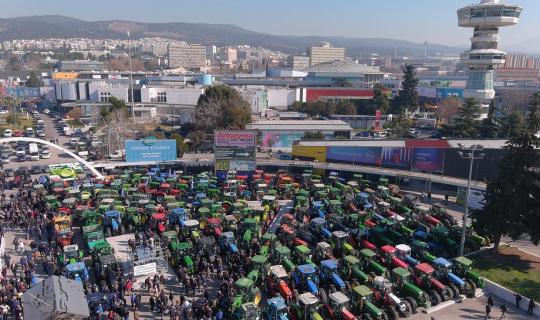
(78, 272)
(443, 272)
(329, 276)
(318, 227)
(306, 279)
(227, 242)
(276, 309)
(113, 223)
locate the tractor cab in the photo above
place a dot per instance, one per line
(338, 307)
(306, 277)
(177, 216)
(181, 254)
(245, 291)
(308, 307)
(403, 252)
(169, 237)
(282, 255)
(277, 282)
(367, 258)
(230, 223)
(71, 254)
(339, 238)
(276, 309)
(318, 225)
(350, 269)
(213, 226)
(206, 246)
(191, 229)
(323, 251)
(227, 242)
(77, 271)
(259, 265)
(302, 254)
(388, 255)
(362, 303)
(113, 222)
(247, 311)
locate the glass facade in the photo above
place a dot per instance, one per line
(488, 12)
(480, 80)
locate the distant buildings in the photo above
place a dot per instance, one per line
(297, 62)
(81, 65)
(325, 53)
(189, 56)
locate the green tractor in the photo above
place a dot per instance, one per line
(245, 291)
(352, 271)
(247, 311)
(282, 255)
(259, 266)
(71, 254)
(362, 304)
(368, 262)
(302, 254)
(181, 254)
(307, 307)
(405, 288)
(463, 268)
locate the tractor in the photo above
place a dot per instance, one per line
(246, 311)
(385, 298)
(318, 227)
(463, 268)
(245, 291)
(367, 261)
(302, 254)
(78, 272)
(307, 308)
(306, 279)
(339, 239)
(227, 242)
(405, 288)
(338, 307)
(351, 270)
(70, 255)
(403, 252)
(362, 304)
(62, 228)
(190, 230)
(206, 246)
(323, 251)
(157, 222)
(259, 266)
(388, 257)
(276, 282)
(112, 223)
(276, 309)
(443, 272)
(181, 254)
(328, 274)
(282, 255)
(423, 277)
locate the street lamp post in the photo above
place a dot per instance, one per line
(131, 77)
(468, 153)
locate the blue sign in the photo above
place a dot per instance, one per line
(428, 159)
(447, 92)
(24, 92)
(360, 155)
(150, 150)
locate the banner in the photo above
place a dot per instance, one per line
(150, 150)
(396, 157)
(235, 139)
(280, 139)
(428, 159)
(355, 155)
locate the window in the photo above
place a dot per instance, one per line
(162, 97)
(104, 96)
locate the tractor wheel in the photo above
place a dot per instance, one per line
(408, 309)
(367, 316)
(412, 303)
(332, 288)
(471, 290)
(323, 295)
(434, 297)
(445, 296)
(108, 232)
(391, 313)
(122, 230)
(449, 292)
(129, 228)
(454, 289)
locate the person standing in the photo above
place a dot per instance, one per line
(488, 311)
(531, 307)
(518, 300)
(152, 304)
(490, 301)
(503, 309)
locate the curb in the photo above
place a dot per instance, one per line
(477, 294)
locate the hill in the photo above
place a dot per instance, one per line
(36, 27)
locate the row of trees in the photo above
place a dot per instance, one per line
(512, 202)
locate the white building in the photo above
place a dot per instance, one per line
(325, 53)
(186, 56)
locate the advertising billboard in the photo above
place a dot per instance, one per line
(235, 139)
(150, 150)
(279, 139)
(396, 157)
(428, 159)
(360, 155)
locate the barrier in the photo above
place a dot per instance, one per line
(509, 296)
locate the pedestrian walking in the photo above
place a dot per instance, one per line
(446, 200)
(490, 301)
(531, 307)
(152, 304)
(518, 299)
(488, 312)
(429, 197)
(503, 309)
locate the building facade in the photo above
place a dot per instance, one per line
(186, 56)
(325, 53)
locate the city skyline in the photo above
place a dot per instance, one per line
(365, 19)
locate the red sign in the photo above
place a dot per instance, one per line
(235, 139)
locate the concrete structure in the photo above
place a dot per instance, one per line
(81, 65)
(186, 56)
(361, 121)
(341, 72)
(486, 18)
(325, 53)
(297, 62)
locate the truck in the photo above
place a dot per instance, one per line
(33, 151)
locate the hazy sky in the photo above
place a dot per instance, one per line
(415, 20)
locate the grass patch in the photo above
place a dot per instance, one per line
(25, 123)
(511, 268)
(74, 123)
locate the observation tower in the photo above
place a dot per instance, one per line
(486, 18)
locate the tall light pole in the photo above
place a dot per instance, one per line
(131, 77)
(468, 153)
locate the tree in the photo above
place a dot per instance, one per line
(346, 108)
(320, 108)
(513, 198)
(33, 81)
(310, 135)
(298, 106)
(466, 123)
(408, 97)
(380, 99)
(512, 125)
(75, 113)
(399, 127)
(222, 107)
(197, 139)
(490, 126)
(447, 109)
(180, 146)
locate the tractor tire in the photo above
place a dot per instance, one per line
(129, 228)
(454, 289)
(471, 288)
(408, 309)
(391, 313)
(413, 303)
(108, 232)
(355, 283)
(332, 288)
(122, 230)
(366, 316)
(444, 296)
(434, 297)
(323, 296)
(449, 292)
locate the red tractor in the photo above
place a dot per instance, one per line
(423, 278)
(276, 282)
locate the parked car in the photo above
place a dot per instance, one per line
(9, 172)
(40, 133)
(18, 133)
(4, 111)
(5, 158)
(8, 133)
(46, 111)
(45, 154)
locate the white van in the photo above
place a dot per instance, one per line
(8, 133)
(33, 151)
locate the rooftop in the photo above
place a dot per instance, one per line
(342, 67)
